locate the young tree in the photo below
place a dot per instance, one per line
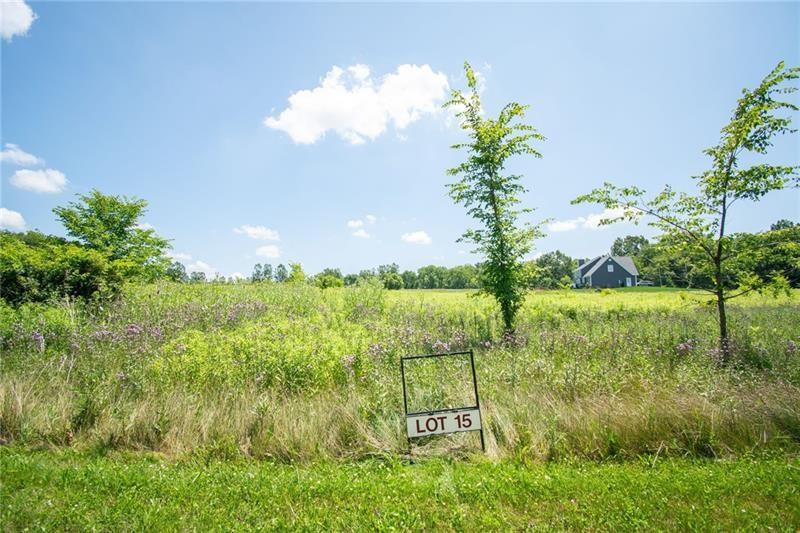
(110, 224)
(697, 223)
(197, 277)
(491, 196)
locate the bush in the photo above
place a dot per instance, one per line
(38, 268)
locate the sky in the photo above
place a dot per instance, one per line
(313, 133)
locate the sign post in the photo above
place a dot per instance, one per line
(443, 421)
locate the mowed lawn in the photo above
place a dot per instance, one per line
(69, 491)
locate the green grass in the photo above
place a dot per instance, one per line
(69, 491)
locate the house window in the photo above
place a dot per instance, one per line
(610, 267)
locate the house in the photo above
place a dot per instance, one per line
(606, 271)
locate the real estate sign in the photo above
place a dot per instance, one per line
(443, 421)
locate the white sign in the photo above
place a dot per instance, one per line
(441, 423)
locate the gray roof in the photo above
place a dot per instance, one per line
(622, 260)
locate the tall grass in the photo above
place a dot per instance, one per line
(293, 373)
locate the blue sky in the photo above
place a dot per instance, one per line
(169, 102)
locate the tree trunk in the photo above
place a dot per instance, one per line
(724, 345)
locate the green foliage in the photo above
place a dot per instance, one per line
(109, 224)
(39, 268)
(177, 272)
(296, 275)
(630, 245)
(551, 269)
(695, 225)
(491, 196)
(281, 274)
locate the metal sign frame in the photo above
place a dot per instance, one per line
(477, 405)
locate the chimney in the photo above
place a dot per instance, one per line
(581, 262)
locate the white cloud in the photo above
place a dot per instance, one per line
(361, 234)
(416, 237)
(144, 226)
(11, 220)
(237, 275)
(201, 266)
(16, 18)
(178, 256)
(258, 232)
(355, 223)
(371, 219)
(13, 154)
(269, 250)
(590, 222)
(358, 107)
(41, 181)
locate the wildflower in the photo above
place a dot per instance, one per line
(376, 350)
(685, 347)
(133, 329)
(440, 346)
(38, 339)
(348, 362)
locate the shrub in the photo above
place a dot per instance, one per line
(37, 268)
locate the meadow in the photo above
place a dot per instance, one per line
(250, 406)
(295, 374)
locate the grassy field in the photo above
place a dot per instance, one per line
(67, 491)
(230, 385)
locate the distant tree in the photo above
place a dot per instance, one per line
(110, 224)
(409, 279)
(783, 224)
(326, 281)
(631, 245)
(431, 277)
(257, 273)
(281, 274)
(177, 272)
(551, 269)
(266, 272)
(197, 277)
(392, 281)
(462, 277)
(296, 275)
(698, 223)
(330, 277)
(350, 279)
(491, 196)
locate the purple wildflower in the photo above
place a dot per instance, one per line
(38, 339)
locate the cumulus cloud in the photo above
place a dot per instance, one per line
(271, 251)
(16, 18)
(371, 219)
(15, 155)
(416, 237)
(361, 234)
(590, 222)
(47, 181)
(11, 220)
(355, 223)
(355, 105)
(178, 256)
(258, 232)
(144, 226)
(202, 266)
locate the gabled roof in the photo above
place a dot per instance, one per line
(622, 260)
(582, 269)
